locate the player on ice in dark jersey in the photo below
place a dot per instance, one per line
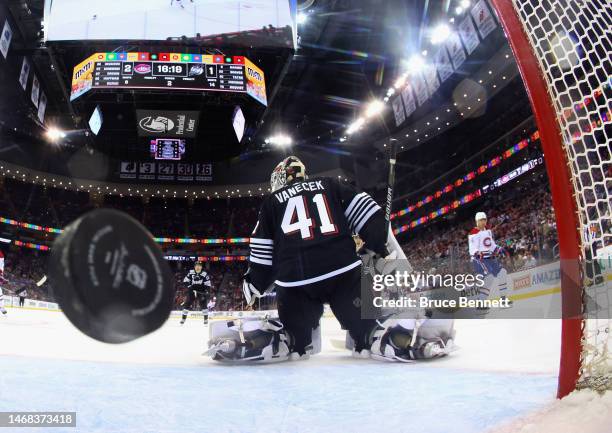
(199, 286)
(302, 246)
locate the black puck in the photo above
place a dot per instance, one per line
(110, 278)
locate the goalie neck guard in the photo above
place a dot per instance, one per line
(287, 171)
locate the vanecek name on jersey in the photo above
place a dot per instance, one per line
(304, 232)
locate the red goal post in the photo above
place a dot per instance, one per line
(562, 49)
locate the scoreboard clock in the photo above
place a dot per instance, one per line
(169, 71)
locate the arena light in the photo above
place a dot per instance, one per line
(440, 33)
(281, 140)
(465, 4)
(355, 126)
(374, 108)
(302, 18)
(416, 63)
(400, 81)
(54, 134)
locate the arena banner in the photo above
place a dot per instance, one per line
(82, 77)
(5, 38)
(166, 171)
(484, 18)
(420, 88)
(443, 63)
(35, 95)
(42, 107)
(256, 83)
(455, 50)
(468, 34)
(163, 123)
(398, 111)
(25, 73)
(408, 98)
(431, 78)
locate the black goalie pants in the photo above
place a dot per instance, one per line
(300, 309)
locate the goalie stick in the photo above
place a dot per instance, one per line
(390, 185)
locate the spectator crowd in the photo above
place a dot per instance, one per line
(521, 218)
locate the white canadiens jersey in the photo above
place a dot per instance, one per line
(481, 241)
(211, 305)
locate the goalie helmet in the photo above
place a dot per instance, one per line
(287, 171)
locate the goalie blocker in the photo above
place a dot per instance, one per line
(110, 277)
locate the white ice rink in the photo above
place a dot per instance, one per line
(504, 372)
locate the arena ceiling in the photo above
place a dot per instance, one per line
(349, 53)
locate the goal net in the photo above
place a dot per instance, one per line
(562, 48)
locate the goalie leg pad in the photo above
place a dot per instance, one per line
(407, 340)
(252, 340)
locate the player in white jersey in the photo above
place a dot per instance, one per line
(212, 303)
(484, 254)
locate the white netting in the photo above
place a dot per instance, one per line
(572, 40)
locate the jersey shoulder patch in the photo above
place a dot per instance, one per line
(475, 231)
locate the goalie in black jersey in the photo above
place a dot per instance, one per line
(303, 247)
(199, 286)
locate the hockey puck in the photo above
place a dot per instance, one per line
(110, 278)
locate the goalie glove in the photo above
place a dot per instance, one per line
(386, 265)
(251, 293)
(375, 264)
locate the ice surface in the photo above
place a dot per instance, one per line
(582, 411)
(161, 383)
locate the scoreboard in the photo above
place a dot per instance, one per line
(157, 75)
(169, 71)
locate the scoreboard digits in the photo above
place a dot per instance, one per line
(169, 70)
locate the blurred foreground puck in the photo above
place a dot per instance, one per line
(110, 277)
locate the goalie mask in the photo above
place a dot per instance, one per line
(287, 171)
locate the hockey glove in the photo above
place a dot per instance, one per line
(251, 293)
(386, 265)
